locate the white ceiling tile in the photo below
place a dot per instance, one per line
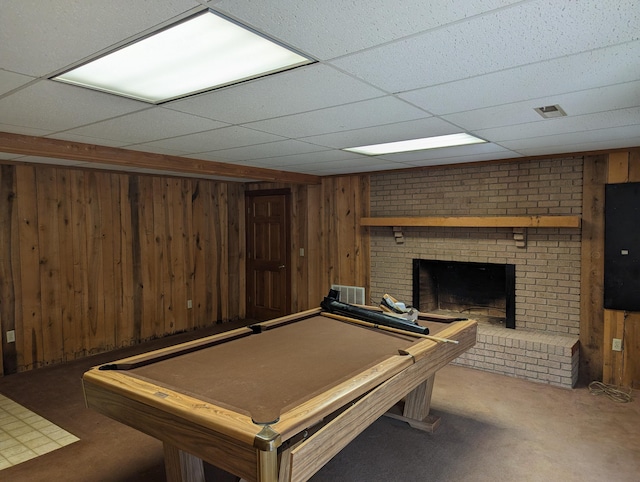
(578, 141)
(157, 150)
(260, 151)
(37, 38)
(533, 32)
(10, 81)
(298, 160)
(574, 104)
(52, 106)
(67, 136)
(452, 65)
(562, 125)
(400, 131)
(307, 88)
(493, 156)
(603, 145)
(346, 117)
(152, 124)
(331, 29)
(27, 131)
(587, 70)
(224, 138)
(352, 167)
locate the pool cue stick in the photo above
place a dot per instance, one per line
(388, 328)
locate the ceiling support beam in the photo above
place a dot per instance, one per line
(78, 151)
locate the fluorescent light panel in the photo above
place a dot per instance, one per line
(202, 53)
(450, 140)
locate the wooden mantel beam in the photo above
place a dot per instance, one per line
(78, 151)
(478, 221)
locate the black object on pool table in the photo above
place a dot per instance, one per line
(332, 305)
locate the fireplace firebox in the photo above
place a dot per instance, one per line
(482, 290)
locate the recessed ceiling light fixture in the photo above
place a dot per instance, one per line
(450, 140)
(550, 111)
(201, 53)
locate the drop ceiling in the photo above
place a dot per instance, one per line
(386, 71)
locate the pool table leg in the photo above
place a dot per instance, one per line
(417, 404)
(181, 466)
(267, 466)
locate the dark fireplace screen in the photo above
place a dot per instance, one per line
(485, 291)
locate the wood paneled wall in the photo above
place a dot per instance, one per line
(326, 224)
(91, 261)
(598, 326)
(622, 368)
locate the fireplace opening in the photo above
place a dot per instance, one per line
(484, 291)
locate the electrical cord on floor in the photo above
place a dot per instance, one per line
(611, 391)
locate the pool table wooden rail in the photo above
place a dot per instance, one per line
(193, 430)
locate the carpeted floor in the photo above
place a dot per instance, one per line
(494, 428)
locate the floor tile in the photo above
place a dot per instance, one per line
(25, 435)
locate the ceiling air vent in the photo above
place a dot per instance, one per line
(550, 111)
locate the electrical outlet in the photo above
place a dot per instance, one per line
(617, 344)
(11, 336)
(189, 304)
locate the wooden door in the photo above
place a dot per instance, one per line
(268, 254)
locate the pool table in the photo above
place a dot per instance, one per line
(277, 400)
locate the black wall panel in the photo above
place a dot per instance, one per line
(622, 247)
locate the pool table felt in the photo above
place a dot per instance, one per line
(263, 375)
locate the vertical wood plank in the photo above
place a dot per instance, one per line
(188, 186)
(234, 251)
(315, 257)
(96, 336)
(160, 273)
(124, 247)
(50, 271)
(331, 272)
(213, 262)
(200, 216)
(137, 281)
(9, 246)
(223, 252)
(618, 167)
(612, 371)
(67, 293)
(107, 192)
(634, 166)
(363, 237)
(29, 318)
(592, 268)
(164, 222)
(148, 262)
(631, 351)
(346, 245)
(79, 329)
(299, 228)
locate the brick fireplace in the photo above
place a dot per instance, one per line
(544, 345)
